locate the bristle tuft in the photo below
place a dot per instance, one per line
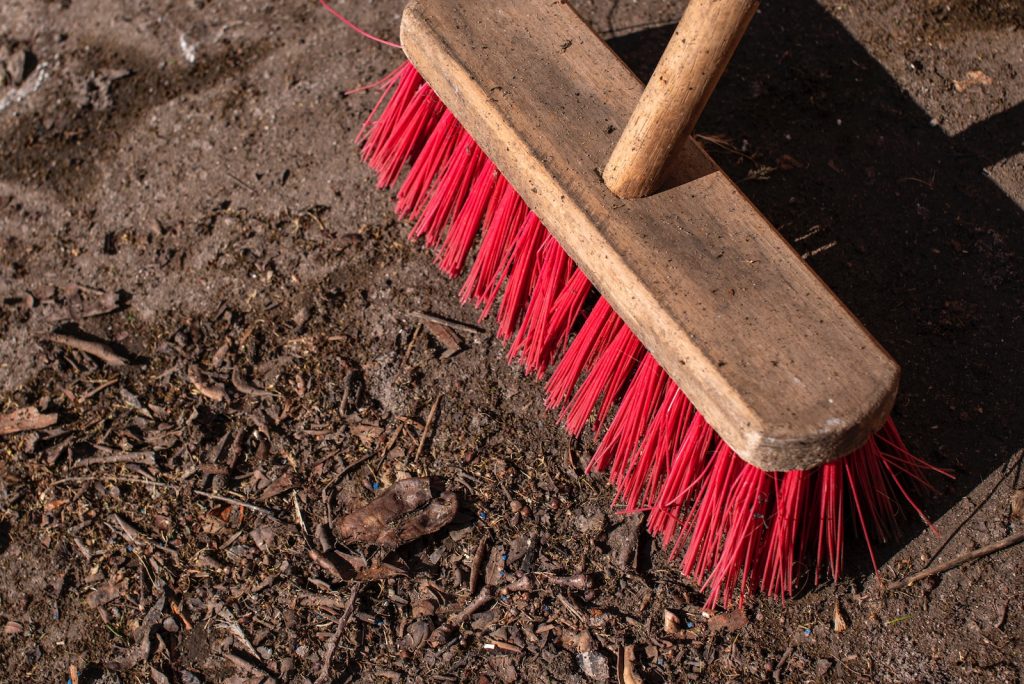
(733, 527)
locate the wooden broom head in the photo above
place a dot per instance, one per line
(771, 358)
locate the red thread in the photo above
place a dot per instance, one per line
(355, 28)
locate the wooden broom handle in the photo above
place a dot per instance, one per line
(673, 100)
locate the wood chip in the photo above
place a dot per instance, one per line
(1017, 504)
(730, 622)
(838, 621)
(212, 391)
(24, 419)
(447, 338)
(97, 348)
(243, 386)
(627, 666)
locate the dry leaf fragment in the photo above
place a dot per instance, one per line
(407, 510)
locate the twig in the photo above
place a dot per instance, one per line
(478, 562)
(1004, 543)
(427, 428)
(298, 513)
(102, 351)
(440, 635)
(114, 478)
(352, 466)
(134, 535)
(140, 457)
(237, 502)
(99, 388)
(952, 533)
(778, 669)
(250, 668)
(24, 419)
(327, 564)
(332, 645)
(472, 329)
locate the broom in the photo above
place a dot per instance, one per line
(734, 399)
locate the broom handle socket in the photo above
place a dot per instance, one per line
(673, 100)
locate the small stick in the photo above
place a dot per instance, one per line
(140, 457)
(427, 428)
(524, 583)
(576, 612)
(114, 478)
(102, 351)
(327, 564)
(1004, 543)
(298, 513)
(134, 535)
(308, 598)
(237, 502)
(440, 635)
(353, 465)
(472, 329)
(332, 645)
(249, 668)
(99, 388)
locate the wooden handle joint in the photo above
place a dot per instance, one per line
(696, 56)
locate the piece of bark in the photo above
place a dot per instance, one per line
(406, 511)
(25, 419)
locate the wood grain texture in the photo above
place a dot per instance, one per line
(686, 75)
(770, 357)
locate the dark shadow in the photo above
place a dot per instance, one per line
(896, 216)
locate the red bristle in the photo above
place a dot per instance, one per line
(594, 335)
(530, 343)
(503, 219)
(519, 273)
(429, 163)
(606, 379)
(830, 494)
(386, 86)
(451, 191)
(686, 471)
(743, 528)
(403, 126)
(466, 225)
(660, 443)
(631, 419)
(702, 527)
(787, 532)
(563, 316)
(856, 489)
(737, 527)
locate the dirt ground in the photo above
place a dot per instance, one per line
(178, 182)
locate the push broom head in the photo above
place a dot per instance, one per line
(735, 399)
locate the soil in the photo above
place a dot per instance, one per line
(178, 184)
